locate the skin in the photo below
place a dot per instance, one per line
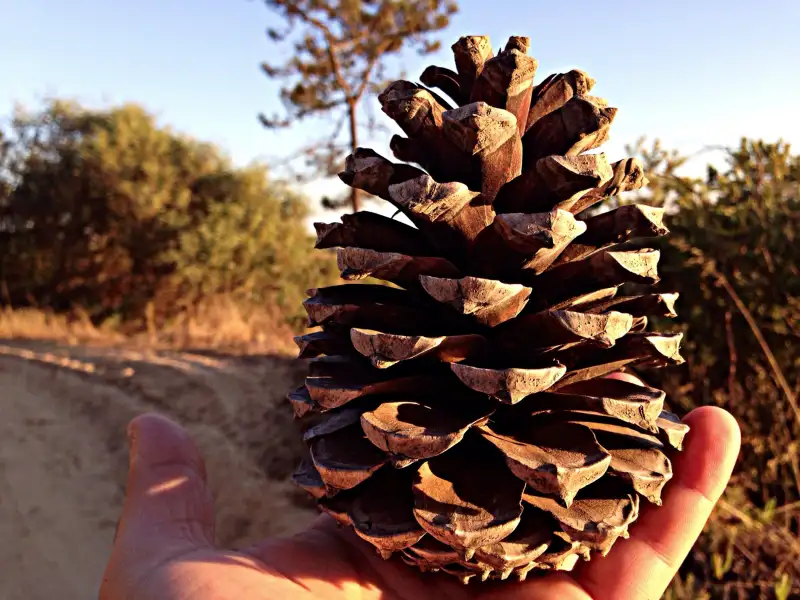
(165, 547)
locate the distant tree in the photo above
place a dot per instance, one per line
(107, 210)
(338, 56)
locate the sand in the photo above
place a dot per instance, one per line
(63, 455)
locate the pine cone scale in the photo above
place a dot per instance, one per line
(421, 430)
(467, 509)
(557, 460)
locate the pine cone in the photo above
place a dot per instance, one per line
(462, 417)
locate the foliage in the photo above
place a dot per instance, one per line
(109, 211)
(339, 55)
(733, 253)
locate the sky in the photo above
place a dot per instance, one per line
(693, 73)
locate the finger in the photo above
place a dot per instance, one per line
(643, 566)
(168, 507)
(628, 377)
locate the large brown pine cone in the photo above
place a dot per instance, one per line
(462, 417)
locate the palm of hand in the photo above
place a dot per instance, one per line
(164, 548)
(323, 563)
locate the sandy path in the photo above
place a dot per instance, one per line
(63, 413)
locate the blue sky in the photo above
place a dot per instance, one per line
(693, 73)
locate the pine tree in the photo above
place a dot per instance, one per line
(110, 211)
(338, 55)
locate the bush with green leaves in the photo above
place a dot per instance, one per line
(109, 211)
(734, 254)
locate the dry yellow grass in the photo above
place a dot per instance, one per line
(218, 323)
(35, 324)
(221, 322)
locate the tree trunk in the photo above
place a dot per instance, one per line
(351, 109)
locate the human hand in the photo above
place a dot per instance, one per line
(164, 549)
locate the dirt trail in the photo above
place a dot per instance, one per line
(63, 459)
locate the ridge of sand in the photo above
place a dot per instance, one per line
(63, 454)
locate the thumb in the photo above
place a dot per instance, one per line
(168, 509)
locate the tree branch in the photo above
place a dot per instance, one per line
(295, 11)
(723, 282)
(337, 70)
(731, 355)
(367, 72)
(330, 41)
(776, 369)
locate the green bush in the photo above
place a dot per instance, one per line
(111, 212)
(733, 254)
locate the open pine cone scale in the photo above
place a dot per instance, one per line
(462, 417)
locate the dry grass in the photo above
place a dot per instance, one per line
(36, 324)
(219, 323)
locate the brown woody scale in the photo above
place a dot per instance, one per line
(462, 417)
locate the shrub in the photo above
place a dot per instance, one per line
(111, 212)
(733, 254)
